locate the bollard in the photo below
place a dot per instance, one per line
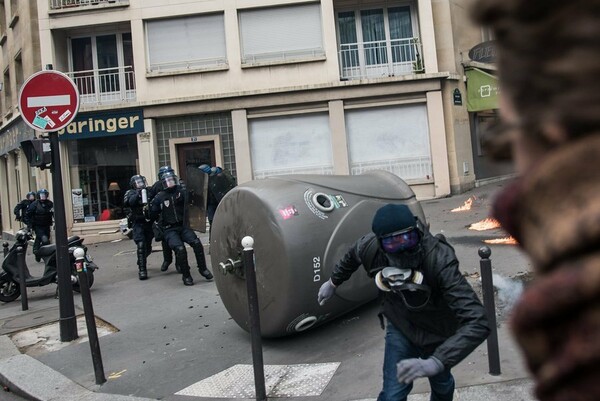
(257, 356)
(487, 286)
(22, 278)
(5, 248)
(88, 310)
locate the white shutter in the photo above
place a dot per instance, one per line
(291, 145)
(395, 139)
(188, 42)
(281, 33)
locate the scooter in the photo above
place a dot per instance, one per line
(9, 276)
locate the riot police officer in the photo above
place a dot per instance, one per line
(21, 208)
(39, 218)
(220, 182)
(168, 206)
(136, 199)
(156, 188)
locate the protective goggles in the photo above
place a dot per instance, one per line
(401, 241)
(169, 182)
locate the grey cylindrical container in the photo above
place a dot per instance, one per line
(302, 225)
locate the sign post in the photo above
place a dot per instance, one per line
(48, 102)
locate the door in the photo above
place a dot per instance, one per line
(190, 156)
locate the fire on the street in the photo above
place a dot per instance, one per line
(502, 241)
(467, 206)
(485, 224)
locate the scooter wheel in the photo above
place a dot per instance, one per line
(9, 290)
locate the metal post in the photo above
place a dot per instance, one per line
(487, 286)
(22, 278)
(68, 322)
(257, 356)
(5, 248)
(90, 320)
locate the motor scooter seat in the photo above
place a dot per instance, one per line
(47, 250)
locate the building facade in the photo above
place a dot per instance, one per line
(260, 87)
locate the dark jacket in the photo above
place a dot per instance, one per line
(21, 210)
(168, 207)
(40, 213)
(452, 324)
(133, 201)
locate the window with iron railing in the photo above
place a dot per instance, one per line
(378, 42)
(69, 4)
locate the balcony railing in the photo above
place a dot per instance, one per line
(105, 86)
(68, 4)
(381, 58)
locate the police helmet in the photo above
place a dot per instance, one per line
(42, 194)
(169, 180)
(30, 195)
(138, 182)
(163, 170)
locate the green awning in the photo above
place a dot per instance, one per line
(482, 90)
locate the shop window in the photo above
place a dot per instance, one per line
(291, 145)
(100, 173)
(395, 139)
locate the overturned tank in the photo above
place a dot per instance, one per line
(301, 226)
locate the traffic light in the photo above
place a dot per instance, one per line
(38, 152)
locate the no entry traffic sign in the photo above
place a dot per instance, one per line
(48, 101)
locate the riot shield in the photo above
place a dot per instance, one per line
(197, 190)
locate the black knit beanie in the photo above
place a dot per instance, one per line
(391, 218)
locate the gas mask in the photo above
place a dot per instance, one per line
(407, 284)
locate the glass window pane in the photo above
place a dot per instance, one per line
(373, 30)
(403, 43)
(81, 54)
(98, 162)
(348, 39)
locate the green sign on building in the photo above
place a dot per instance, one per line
(482, 90)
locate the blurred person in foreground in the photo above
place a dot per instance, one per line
(549, 71)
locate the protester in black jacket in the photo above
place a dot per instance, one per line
(21, 208)
(220, 182)
(39, 218)
(168, 207)
(434, 318)
(137, 199)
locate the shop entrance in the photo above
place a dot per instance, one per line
(195, 153)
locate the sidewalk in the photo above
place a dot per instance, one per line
(157, 370)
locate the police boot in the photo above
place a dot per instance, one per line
(141, 256)
(199, 252)
(167, 257)
(182, 263)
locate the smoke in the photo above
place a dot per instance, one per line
(509, 290)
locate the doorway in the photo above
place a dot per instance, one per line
(195, 153)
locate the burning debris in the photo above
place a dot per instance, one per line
(466, 206)
(485, 224)
(502, 241)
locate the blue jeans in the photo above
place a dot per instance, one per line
(397, 348)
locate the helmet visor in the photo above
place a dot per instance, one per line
(401, 241)
(140, 183)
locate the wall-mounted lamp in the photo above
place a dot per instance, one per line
(114, 186)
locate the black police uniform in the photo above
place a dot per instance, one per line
(39, 216)
(168, 207)
(167, 252)
(141, 228)
(20, 210)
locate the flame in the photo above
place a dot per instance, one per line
(466, 206)
(485, 224)
(503, 241)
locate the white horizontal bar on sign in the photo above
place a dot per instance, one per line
(42, 101)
